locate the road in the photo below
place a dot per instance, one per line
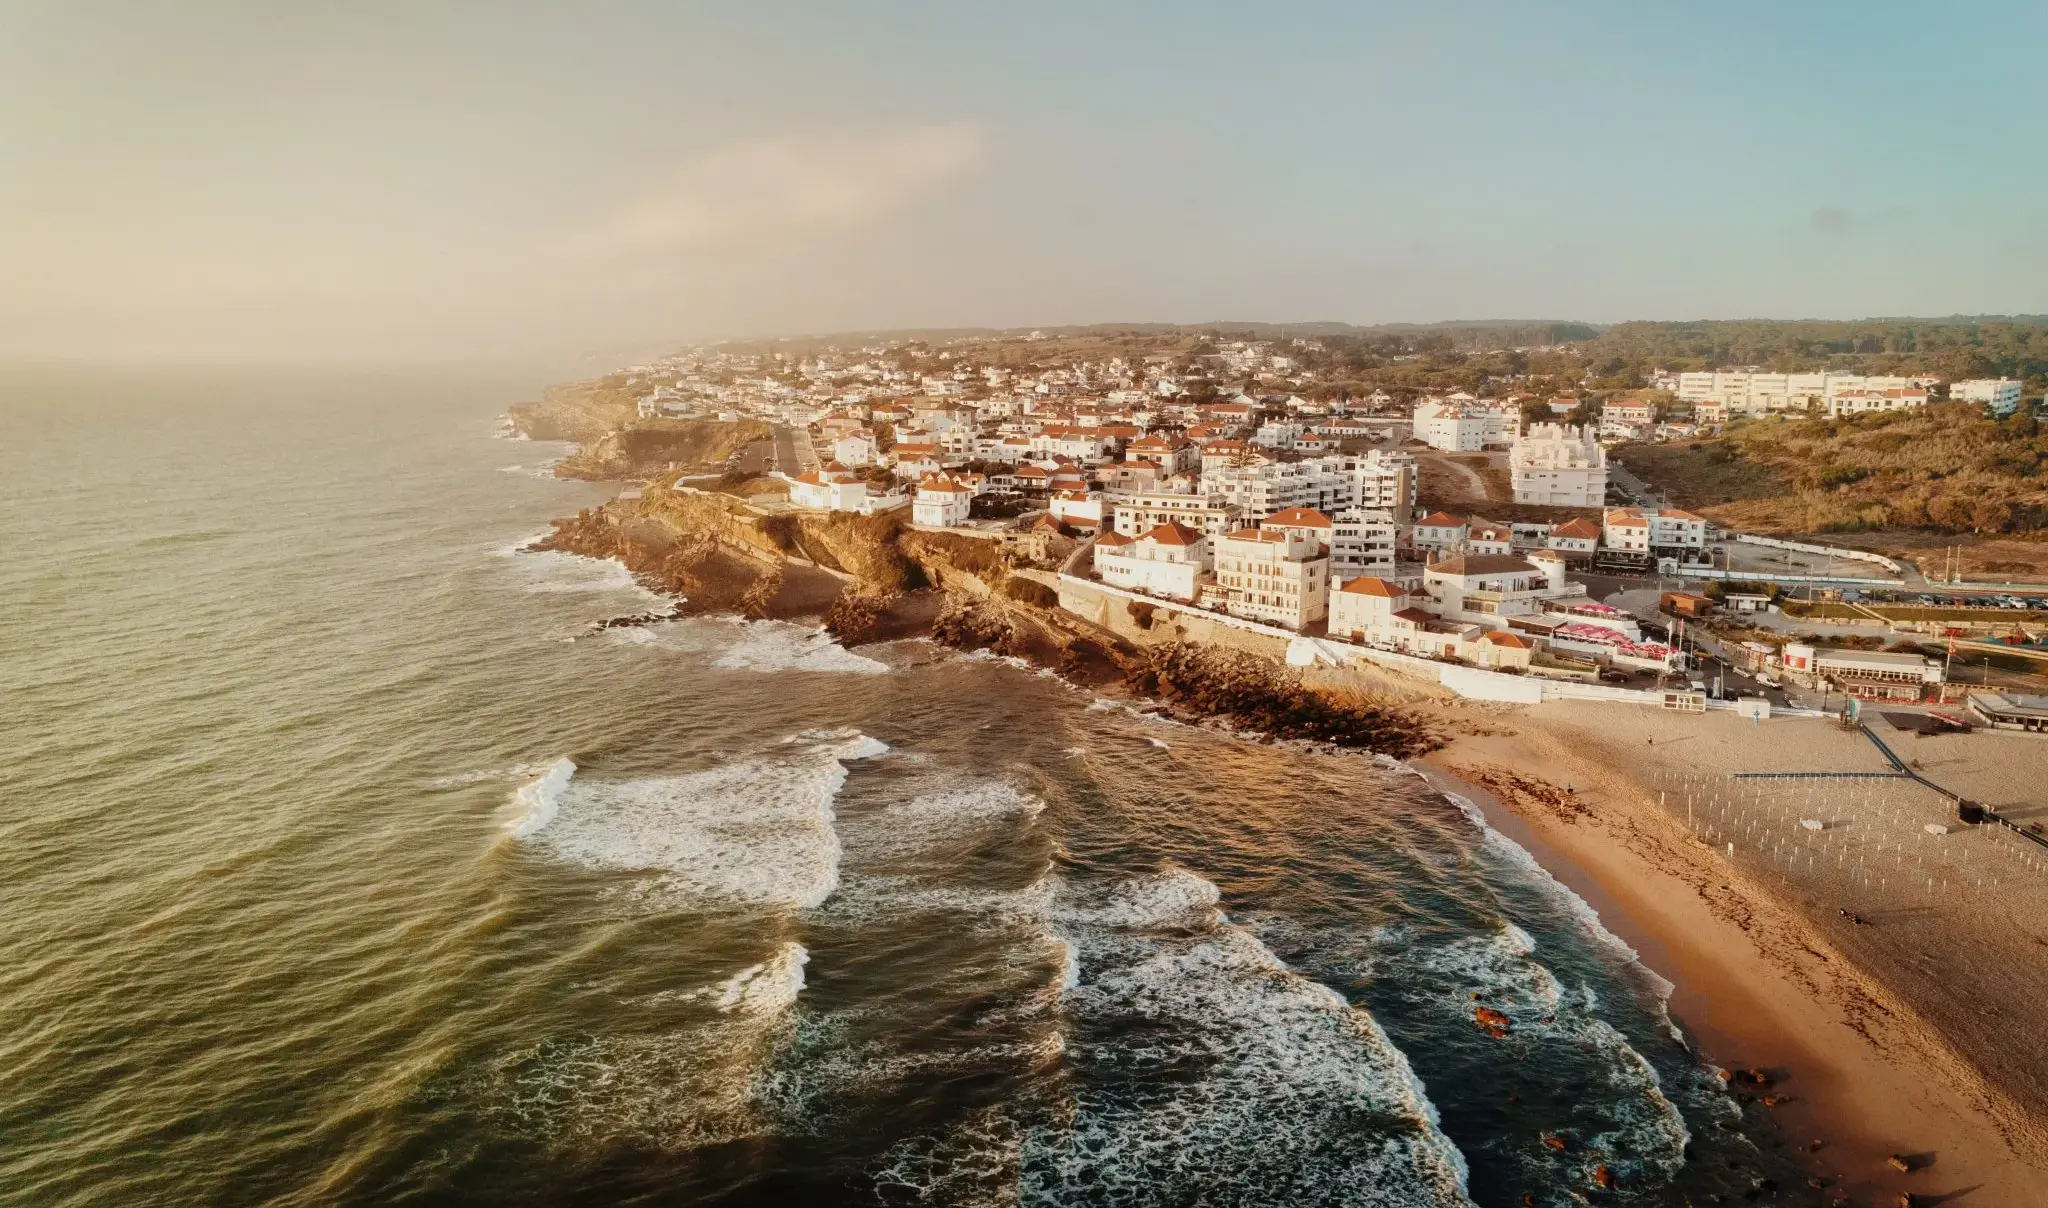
(794, 452)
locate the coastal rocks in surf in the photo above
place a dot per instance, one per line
(1257, 694)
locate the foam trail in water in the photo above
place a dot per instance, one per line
(762, 646)
(691, 1084)
(1254, 1077)
(540, 799)
(1582, 912)
(780, 646)
(759, 830)
(772, 985)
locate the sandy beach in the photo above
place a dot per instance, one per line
(1887, 979)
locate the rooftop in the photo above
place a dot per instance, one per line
(1173, 532)
(1482, 564)
(1368, 585)
(1298, 518)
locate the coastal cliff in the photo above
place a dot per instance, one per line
(578, 411)
(875, 579)
(663, 446)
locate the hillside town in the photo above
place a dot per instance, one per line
(1226, 482)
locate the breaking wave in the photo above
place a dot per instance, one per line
(756, 831)
(764, 646)
(539, 799)
(693, 1083)
(1208, 1070)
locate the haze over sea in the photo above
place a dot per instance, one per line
(344, 863)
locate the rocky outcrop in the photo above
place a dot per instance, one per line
(1259, 694)
(578, 411)
(873, 579)
(663, 446)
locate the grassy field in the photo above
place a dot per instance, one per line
(1707, 476)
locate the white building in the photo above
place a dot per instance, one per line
(1864, 401)
(1362, 542)
(1280, 576)
(1441, 426)
(1384, 480)
(1755, 392)
(855, 449)
(1326, 484)
(1380, 613)
(1210, 515)
(1669, 532)
(1558, 464)
(2002, 395)
(1490, 589)
(1438, 533)
(1278, 434)
(1364, 608)
(1577, 539)
(1168, 561)
(1082, 509)
(831, 489)
(941, 502)
(1177, 455)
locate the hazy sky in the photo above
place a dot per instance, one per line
(301, 179)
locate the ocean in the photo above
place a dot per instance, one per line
(346, 864)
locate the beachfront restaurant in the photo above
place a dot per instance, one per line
(1879, 675)
(2011, 711)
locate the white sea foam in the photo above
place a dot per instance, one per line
(846, 743)
(552, 572)
(692, 1084)
(1174, 896)
(1254, 1077)
(772, 985)
(514, 772)
(781, 646)
(538, 800)
(1641, 1134)
(520, 546)
(1581, 911)
(757, 831)
(763, 646)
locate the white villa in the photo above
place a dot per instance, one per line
(941, 502)
(1168, 561)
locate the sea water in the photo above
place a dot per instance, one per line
(344, 863)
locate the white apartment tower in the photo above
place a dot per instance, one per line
(1558, 464)
(2002, 395)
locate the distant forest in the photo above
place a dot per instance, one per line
(1538, 356)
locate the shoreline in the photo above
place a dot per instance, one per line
(1755, 986)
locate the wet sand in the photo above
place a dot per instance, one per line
(1865, 1059)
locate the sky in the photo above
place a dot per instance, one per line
(512, 181)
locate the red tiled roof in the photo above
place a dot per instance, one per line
(1298, 518)
(1440, 520)
(1173, 532)
(1578, 527)
(1367, 585)
(1501, 637)
(1482, 564)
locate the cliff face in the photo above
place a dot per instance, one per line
(580, 411)
(873, 579)
(663, 445)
